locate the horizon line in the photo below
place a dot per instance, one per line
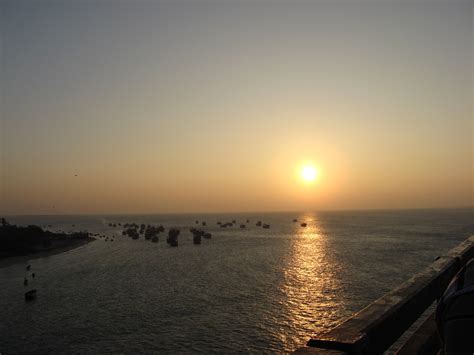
(243, 212)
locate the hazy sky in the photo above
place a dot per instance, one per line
(178, 106)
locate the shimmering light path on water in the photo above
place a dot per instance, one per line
(245, 289)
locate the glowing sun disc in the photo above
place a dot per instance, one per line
(309, 173)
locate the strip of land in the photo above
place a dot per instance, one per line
(59, 247)
(19, 244)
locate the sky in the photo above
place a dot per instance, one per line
(215, 106)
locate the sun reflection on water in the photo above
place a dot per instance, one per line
(312, 285)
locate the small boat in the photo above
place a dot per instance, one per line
(304, 224)
(30, 295)
(219, 223)
(233, 221)
(197, 222)
(259, 223)
(266, 226)
(174, 242)
(248, 220)
(203, 223)
(197, 238)
(33, 275)
(207, 235)
(295, 220)
(242, 226)
(172, 239)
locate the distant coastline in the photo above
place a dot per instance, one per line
(59, 248)
(19, 244)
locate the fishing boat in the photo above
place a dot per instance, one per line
(30, 295)
(172, 239)
(197, 238)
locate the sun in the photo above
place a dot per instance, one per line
(309, 173)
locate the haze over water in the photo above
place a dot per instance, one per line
(244, 290)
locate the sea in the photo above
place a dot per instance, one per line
(244, 290)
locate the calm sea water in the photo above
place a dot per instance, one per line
(252, 290)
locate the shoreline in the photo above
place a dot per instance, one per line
(17, 259)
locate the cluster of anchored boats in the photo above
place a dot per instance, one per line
(134, 231)
(151, 232)
(106, 238)
(231, 224)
